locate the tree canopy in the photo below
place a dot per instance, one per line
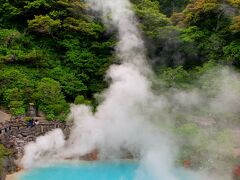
(61, 48)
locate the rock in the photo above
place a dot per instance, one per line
(20, 136)
(93, 156)
(204, 121)
(8, 167)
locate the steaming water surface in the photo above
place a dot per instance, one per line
(94, 170)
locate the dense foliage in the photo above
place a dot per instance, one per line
(50, 53)
(56, 52)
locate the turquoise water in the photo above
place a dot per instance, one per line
(92, 171)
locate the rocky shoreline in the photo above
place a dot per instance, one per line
(13, 176)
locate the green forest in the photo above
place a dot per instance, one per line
(57, 52)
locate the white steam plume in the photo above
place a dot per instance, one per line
(121, 122)
(125, 119)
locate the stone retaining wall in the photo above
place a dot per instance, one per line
(15, 134)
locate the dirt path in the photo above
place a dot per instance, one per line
(4, 117)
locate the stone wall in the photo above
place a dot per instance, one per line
(15, 134)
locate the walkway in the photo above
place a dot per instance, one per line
(4, 117)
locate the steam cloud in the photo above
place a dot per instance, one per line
(132, 118)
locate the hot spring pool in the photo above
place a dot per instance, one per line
(92, 171)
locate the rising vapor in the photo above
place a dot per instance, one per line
(125, 120)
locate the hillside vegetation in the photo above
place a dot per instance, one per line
(56, 52)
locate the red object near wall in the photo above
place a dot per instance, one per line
(236, 172)
(186, 163)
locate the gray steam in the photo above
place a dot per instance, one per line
(133, 119)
